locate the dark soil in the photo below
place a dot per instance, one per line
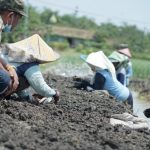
(80, 121)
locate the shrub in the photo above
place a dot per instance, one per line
(61, 46)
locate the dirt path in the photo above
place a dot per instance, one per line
(79, 122)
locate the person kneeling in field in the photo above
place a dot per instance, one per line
(105, 77)
(29, 75)
(121, 61)
(25, 55)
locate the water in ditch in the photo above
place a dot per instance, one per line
(139, 106)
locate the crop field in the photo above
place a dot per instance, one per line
(70, 62)
(80, 121)
(141, 69)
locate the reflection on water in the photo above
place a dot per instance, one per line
(139, 106)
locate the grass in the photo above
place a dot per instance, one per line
(141, 69)
(68, 65)
(68, 57)
(71, 60)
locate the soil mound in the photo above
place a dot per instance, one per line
(80, 121)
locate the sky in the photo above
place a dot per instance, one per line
(132, 12)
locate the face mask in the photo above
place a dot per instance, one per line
(7, 28)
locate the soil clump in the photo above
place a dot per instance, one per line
(80, 121)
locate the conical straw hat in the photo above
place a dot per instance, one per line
(31, 49)
(125, 51)
(99, 60)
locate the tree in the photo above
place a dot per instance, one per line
(78, 22)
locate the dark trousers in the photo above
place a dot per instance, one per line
(130, 99)
(23, 83)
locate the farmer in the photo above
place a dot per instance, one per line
(123, 65)
(105, 77)
(129, 70)
(11, 12)
(29, 75)
(120, 62)
(17, 78)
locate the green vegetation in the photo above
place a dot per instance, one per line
(61, 46)
(68, 57)
(107, 37)
(141, 69)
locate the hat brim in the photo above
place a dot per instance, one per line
(125, 52)
(84, 57)
(22, 13)
(113, 60)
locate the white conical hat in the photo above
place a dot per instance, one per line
(30, 50)
(125, 51)
(99, 60)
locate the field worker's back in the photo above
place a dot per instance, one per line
(114, 87)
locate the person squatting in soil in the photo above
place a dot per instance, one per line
(17, 78)
(123, 65)
(105, 77)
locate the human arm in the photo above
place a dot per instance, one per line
(1, 66)
(82, 83)
(129, 71)
(56, 96)
(12, 72)
(99, 82)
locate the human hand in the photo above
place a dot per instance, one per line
(14, 77)
(56, 97)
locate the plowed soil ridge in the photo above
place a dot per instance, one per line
(80, 121)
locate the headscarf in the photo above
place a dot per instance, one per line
(120, 58)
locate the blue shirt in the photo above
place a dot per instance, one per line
(114, 87)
